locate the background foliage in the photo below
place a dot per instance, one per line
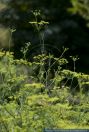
(68, 26)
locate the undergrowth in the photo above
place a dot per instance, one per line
(32, 102)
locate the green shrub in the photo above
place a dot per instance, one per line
(30, 101)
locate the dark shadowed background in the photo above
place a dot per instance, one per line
(68, 27)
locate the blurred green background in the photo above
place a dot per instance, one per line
(68, 27)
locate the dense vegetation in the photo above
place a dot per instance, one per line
(38, 87)
(31, 100)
